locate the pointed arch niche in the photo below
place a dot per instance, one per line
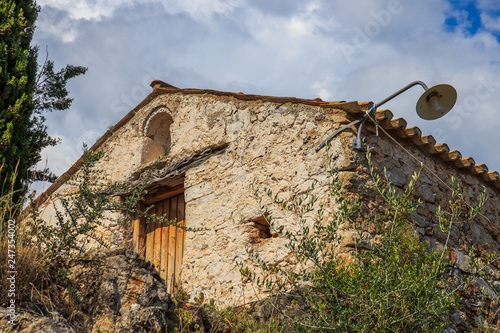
(156, 130)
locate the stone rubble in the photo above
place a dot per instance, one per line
(119, 293)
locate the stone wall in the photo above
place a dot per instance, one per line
(265, 143)
(401, 160)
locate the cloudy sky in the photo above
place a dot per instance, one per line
(361, 50)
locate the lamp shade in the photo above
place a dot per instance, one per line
(436, 101)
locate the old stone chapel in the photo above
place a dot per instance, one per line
(216, 147)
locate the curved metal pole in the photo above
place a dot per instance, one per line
(330, 138)
(397, 93)
(358, 142)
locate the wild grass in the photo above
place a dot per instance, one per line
(18, 254)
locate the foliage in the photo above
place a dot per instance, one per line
(24, 95)
(84, 211)
(241, 320)
(33, 275)
(229, 319)
(50, 93)
(81, 214)
(17, 78)
(391, 282)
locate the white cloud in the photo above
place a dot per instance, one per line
(230, 45)
(98, 9)
(62, 18)
(61, 157)
(86, 9)
(54, 22)
(491, 23)
(488, 4)
(201, 9)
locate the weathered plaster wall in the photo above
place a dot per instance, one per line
(268, 145)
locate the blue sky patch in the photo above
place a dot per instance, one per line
(471, 19)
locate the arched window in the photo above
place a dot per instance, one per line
(156, 130)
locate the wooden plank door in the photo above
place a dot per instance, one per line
(161, 244)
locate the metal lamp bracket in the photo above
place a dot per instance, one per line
(446, 94)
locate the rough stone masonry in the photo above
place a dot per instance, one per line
(219, 147)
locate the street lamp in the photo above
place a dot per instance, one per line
(434, 103)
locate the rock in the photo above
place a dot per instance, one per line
(480, 235)
(31, 322)
(454, 236)
(198, 191)
(492, 271)
(120, 291)
(421, 220)
(458, 317)
(397, 177)
(117, 291)
(427, 194)
(353, 239)
(462, 261)
(485, 287)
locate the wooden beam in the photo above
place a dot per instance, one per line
(179, 246)
(351, 107)
(172, 235)
(135, 235)
(163, 194)
(150, 232)
(139, 236)
(165, 238)
(158, 234)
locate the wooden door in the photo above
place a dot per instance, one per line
(161, 244)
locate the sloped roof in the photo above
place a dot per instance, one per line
(397, 127)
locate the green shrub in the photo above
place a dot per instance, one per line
(39, 246)
(393, 282)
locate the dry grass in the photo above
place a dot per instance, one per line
(34, 276)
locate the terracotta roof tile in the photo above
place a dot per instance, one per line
(441, 149)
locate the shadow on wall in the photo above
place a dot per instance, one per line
(157, 133)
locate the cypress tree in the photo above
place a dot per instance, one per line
(24, 95)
